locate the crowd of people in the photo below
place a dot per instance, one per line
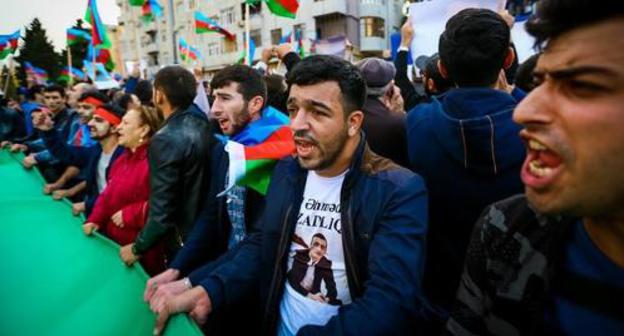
(482, 197)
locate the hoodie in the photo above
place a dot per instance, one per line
(466, 147)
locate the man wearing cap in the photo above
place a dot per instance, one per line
(384, 129)
(95, 161)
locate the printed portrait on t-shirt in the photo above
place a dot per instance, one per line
(311, 268)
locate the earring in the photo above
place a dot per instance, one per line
(140, 140)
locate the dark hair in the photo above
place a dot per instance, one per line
(473, 47)
(320, 236)
(143, 91)
(250, 82)
(524, 75)
(114, 109)
(433, 72)
(324, 68)
(178, 85)
(555, 17)
(124, 100)
(277, 91)
(55, 88)
(95, 94)
(34, 90)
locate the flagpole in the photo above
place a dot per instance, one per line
(1, 71)
(69, 63)
(93, 67)
(247, 58)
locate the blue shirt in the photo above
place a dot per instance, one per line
(588, 291)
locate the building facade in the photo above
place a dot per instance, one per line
(365, 24)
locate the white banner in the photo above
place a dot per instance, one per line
(429, 19)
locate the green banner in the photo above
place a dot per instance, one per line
(54, 280)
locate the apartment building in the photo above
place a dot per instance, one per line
(365, 24)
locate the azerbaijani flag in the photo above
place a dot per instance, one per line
(8, 43)
(75, 73)
(151, 9)
(252, 53)
(98, 31)
(204, 24)
(74, 35)
(102, 55)
(254, 151)
(193, 53)
(299, 42)
(183, 48)
(137, 3)
(38, 74)
(285, 8)
(5, 48)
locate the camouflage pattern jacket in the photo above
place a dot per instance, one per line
(509, 270)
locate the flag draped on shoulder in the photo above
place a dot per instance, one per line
(254, 151)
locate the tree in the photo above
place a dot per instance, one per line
(39, 51)
(78, 49)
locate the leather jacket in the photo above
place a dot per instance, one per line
(179, 161)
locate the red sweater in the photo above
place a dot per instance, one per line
(127, 190)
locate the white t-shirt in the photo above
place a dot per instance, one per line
(102, 164)
(316, 282)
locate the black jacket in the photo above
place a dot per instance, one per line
(410, 95)
(179, 157)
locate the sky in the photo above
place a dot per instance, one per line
(55, 15)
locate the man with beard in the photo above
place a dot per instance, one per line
(179, 159)
(372, 212)
(551, 262)
(239, 97)
(94, 161)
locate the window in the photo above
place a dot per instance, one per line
(254, 9)
(373, 27)
(256, 36)
(228, 16)
(299, 30)
(213, 49)
(276, 36)
(153, 58)
(229, 46)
